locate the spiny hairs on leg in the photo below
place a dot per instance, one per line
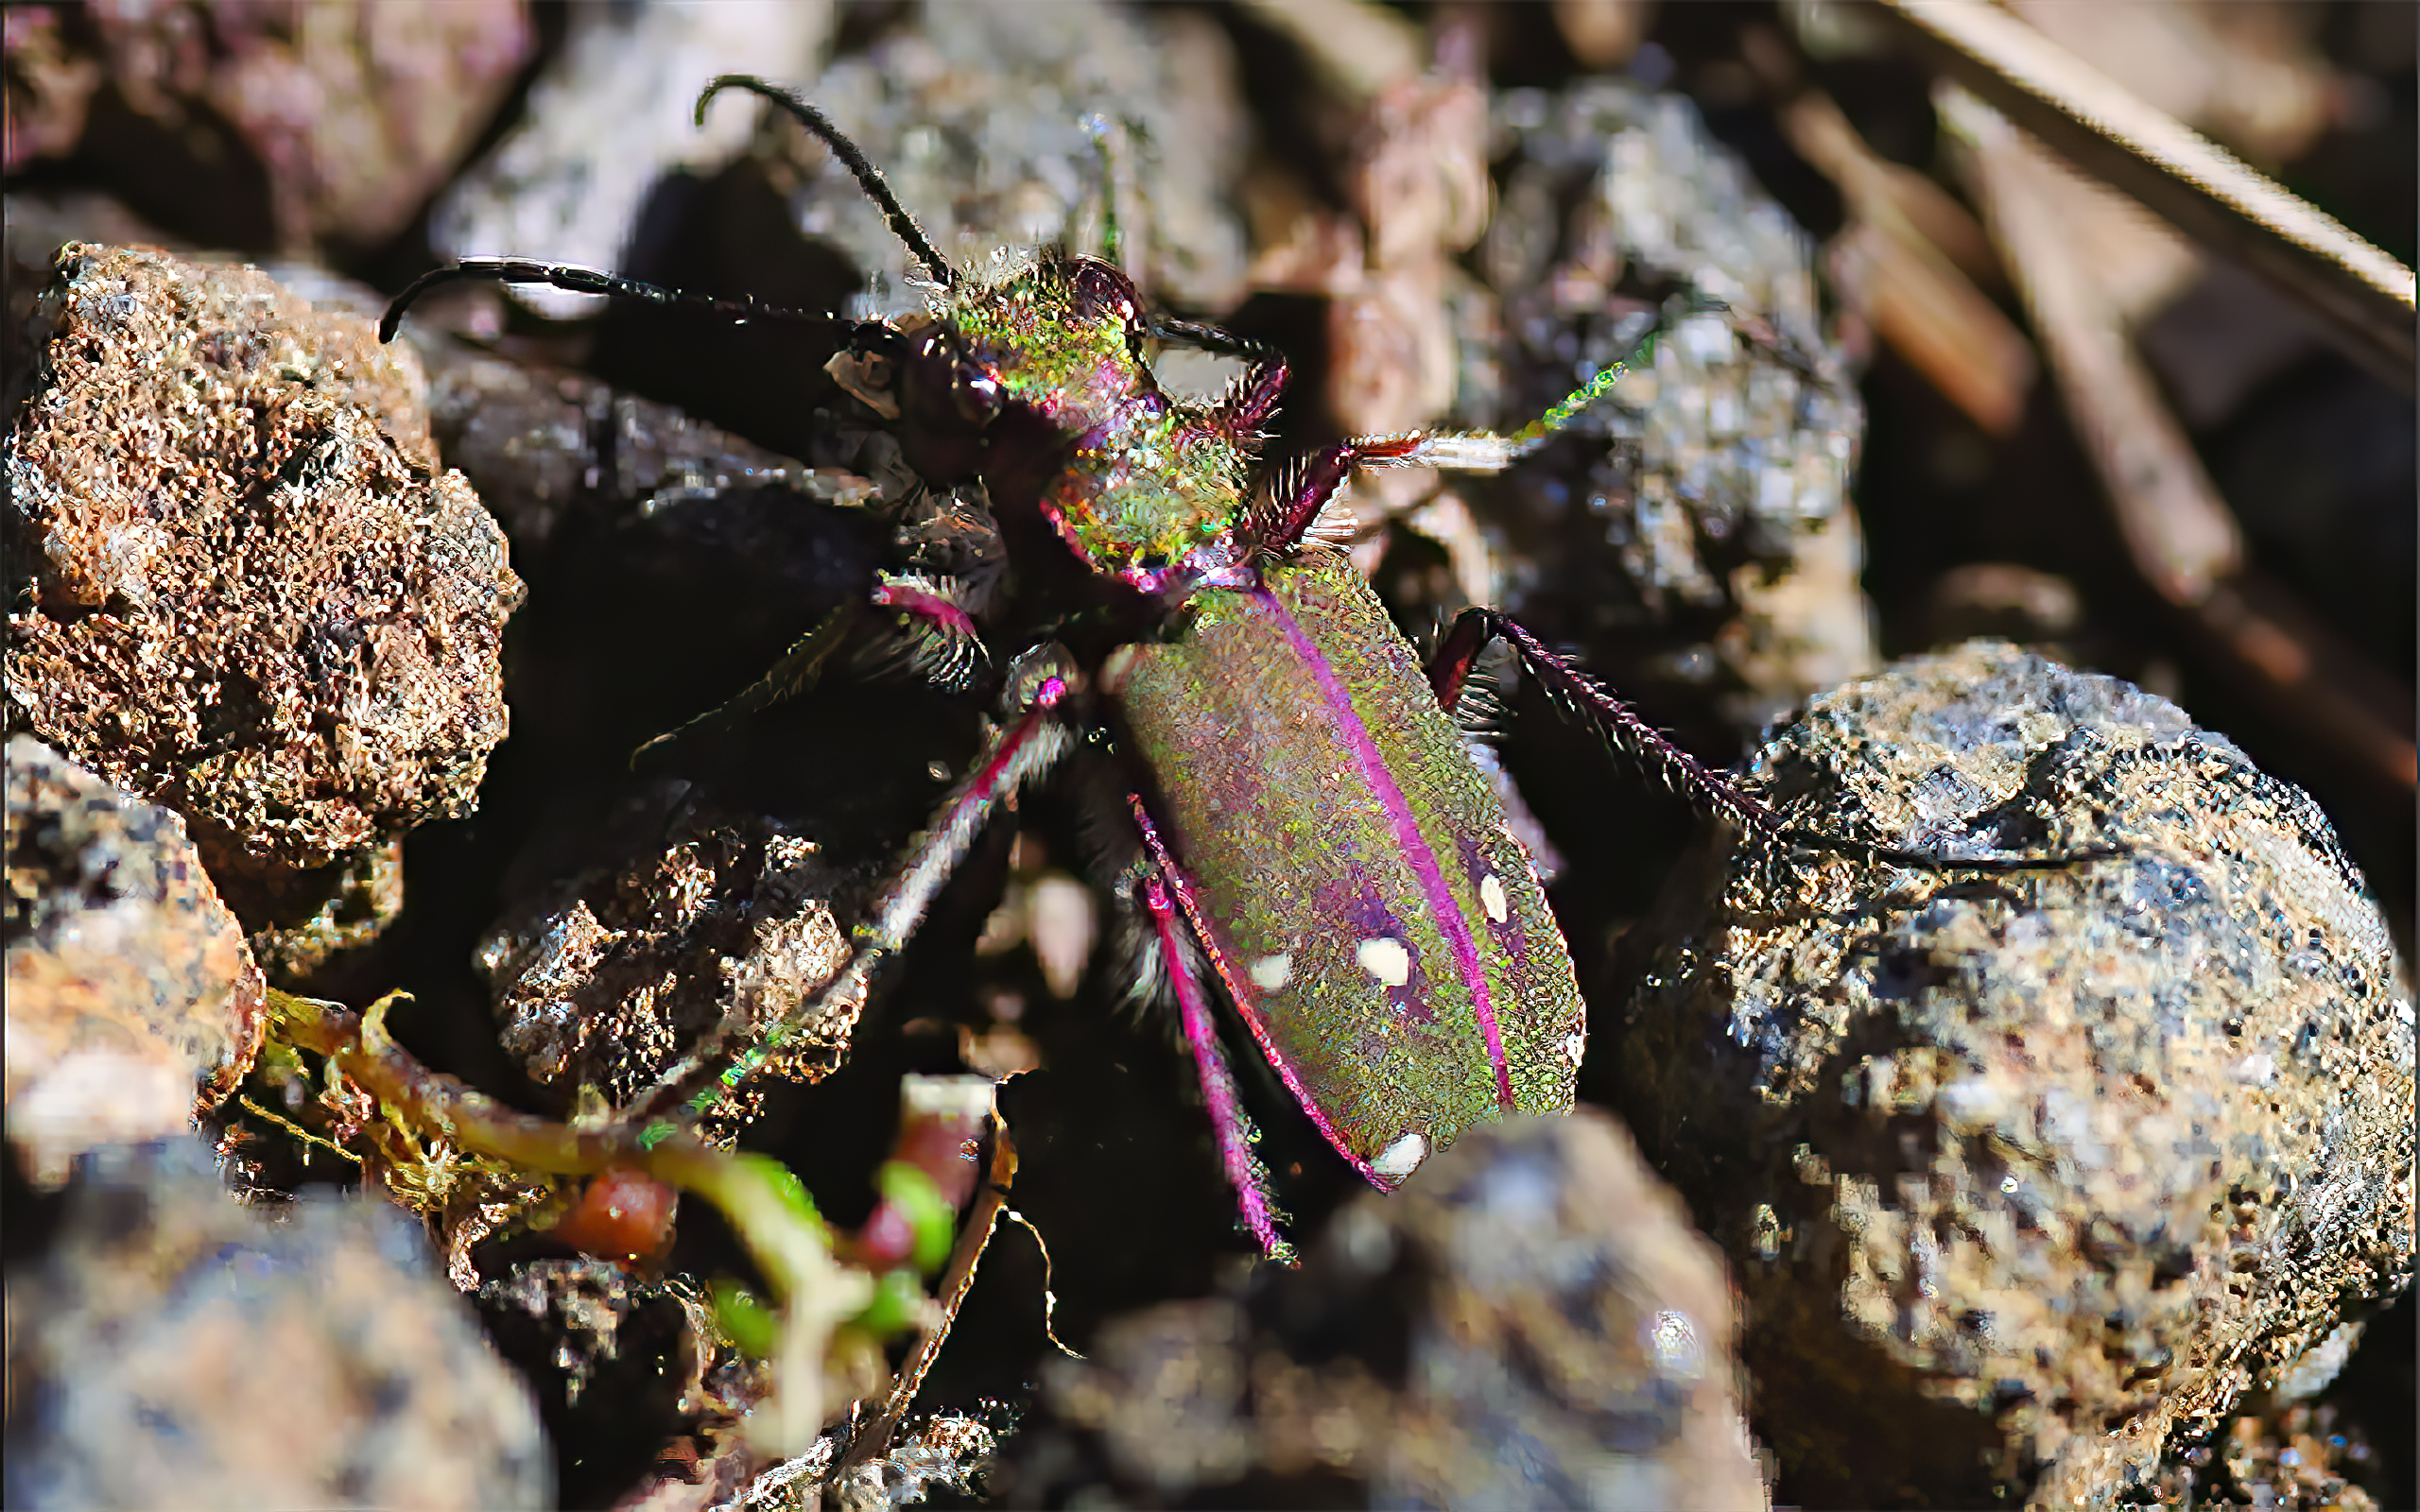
(1575, 690)
(1231, 1127)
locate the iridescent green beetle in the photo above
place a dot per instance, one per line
(1311, 828)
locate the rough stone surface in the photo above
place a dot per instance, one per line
(255, 599)
(706, 914)
(2291, 1457)
(331, 121)
(2023, 1175)
(604, 1351)
(129, 981)
(978, 116)
(1702, 511)
(608, 118)
(544, 448)
(175, 1348)
(1530, 1322)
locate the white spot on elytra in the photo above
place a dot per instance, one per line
(1402, 1158)
(1575, 1045)
(1491, 896)
(1270, 972)
(1384, 957)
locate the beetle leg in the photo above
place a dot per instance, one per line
(794, 673)
(1229, 1125)
(945, 646)
(1254, 397)
(1300, 490)
(1042, 687)
(1488, 452)
(1575, 691)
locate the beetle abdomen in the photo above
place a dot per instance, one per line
(1382, 931)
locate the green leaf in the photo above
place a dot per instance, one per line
(930, 1215)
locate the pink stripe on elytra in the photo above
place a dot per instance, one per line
(1407, 827)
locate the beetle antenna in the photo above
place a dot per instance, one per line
(869, 179)
(584, 281)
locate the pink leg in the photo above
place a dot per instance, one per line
(1251, 402)
(942, 633)
(1256, 399)
(1303, 491)
(1229, 1125)
(925, 600)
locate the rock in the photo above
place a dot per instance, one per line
(336, 121)
(2293, 1457)
(2024, 1174)
(50, 84)
(255, 599)
(621, 1362)
(1693, 533)
(129, 982)
(177, 1349)
(700, 915)
(979, 119)
(544, 448)
(610, 116)
(1530, 1322)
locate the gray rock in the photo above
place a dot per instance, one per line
(2024, 1173)
(610, 117)
(983, 118)
(178, 1349)
(1529, 1322)
(133, 1002)
(1716, 481)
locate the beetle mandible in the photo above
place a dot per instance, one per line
(1312, 832)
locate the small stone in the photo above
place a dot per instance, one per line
(547, 448)
(1530, 1322)
(984, 121)
(129, 981)
(701, 914)
(325, 122)
(2025, 1174)
(1575, 1348)
(175, 1348)
(255, 599)
(611, 116)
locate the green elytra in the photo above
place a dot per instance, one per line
(1381, 930)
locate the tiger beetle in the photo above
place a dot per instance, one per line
(1308, 827)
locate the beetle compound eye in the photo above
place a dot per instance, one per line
(941, 385)
(977, 394)
(1098, 291)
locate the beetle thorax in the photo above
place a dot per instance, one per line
(1150, 486)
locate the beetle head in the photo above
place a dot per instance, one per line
(924, 377)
